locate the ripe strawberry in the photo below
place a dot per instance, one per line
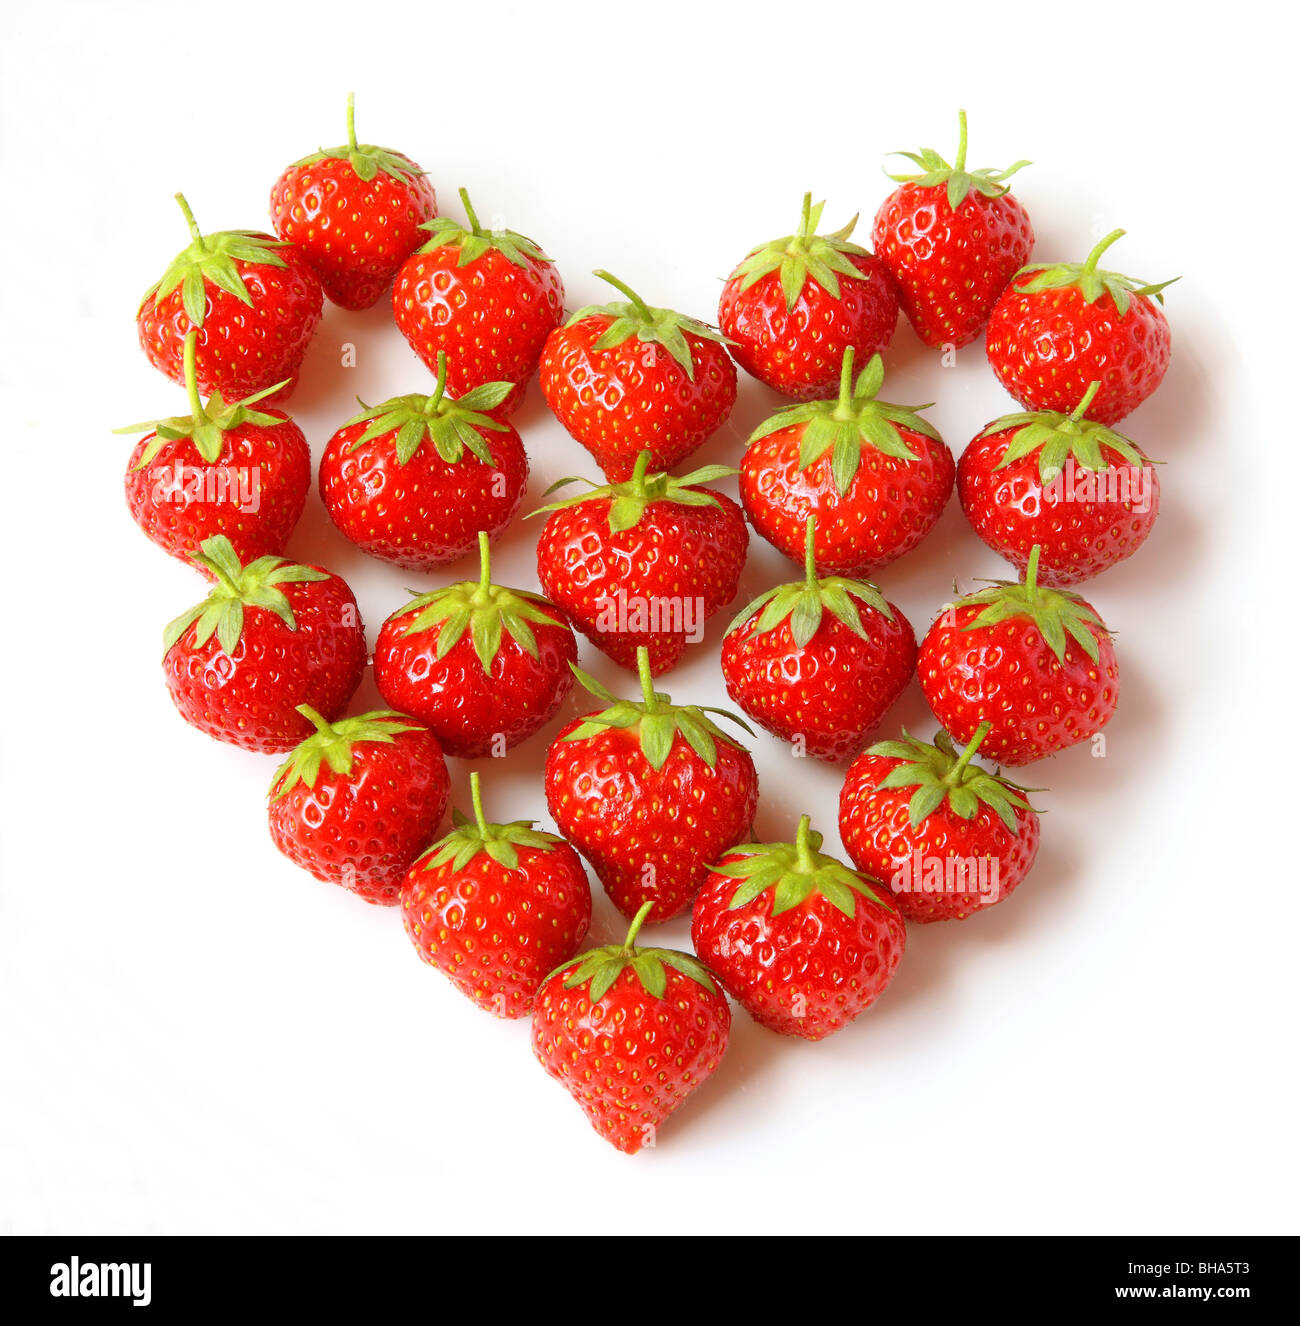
(818, 662)
(1037, 664)
(355, 214)
(801, 941)
(625, 377)
(496, 907)
(630, 1032)
(1060, 326)
(948, 837)
(650, 792)
(270, 636)
(221, 469)
(952, 239)
(793, 307)
(413, 481)
(488, 299)
(484, 666)
(361, 821)
(875, 476)
(253, 301)
(645, 562)
(1083, 493)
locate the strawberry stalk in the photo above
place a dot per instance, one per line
(1090, 262)
(803, 849)
(955, 774)
(639, 304)
(195, 233)
(1078, 412)
(476, 798)
(629, 944)
(352, 122)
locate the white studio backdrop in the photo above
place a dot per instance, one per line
(198, 1037)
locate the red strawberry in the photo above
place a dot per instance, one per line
(794, 306)
(952, 239)
(1083, 493)
(362, 820)
(413, 481)
(650, 792)
(496, 907)
(270, 636)
(253, 301)
(488, 299)
(630, 1032)
(818, 662)
(645, 562)
(625, 377)
(1037, 664)
(355, 214)
(801, 941)
(484, 666)
(1060, 326)
(948, 837)
(221, 469)
(875, 476)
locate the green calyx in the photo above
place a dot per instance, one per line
(853, 421)
(1057, 437)
(935, 170)
(473, 241)
(628, 500)
(795, 871)
(474, 837)
(1088, 279)
(603, 966)
(939, 773)
(489, 612)
(212, 258)
(650, 326)
(366, 160)
(237, 587)
(1056, 613)
(205, 425)
(656, 718)
(805, 602)
(453, 425)
(332, 744)
(805, 254)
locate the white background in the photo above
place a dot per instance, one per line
(199, 1037)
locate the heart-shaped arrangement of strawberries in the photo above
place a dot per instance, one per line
(655, 795)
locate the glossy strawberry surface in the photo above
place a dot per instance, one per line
(490, 317)
(797, 351)
(473, 712)
(363, 829)
(1007, 674)
(988, 860)
(253, 492)
(806, 972)
(353, 233)
(650, 834)
(241, 348)
(427, 511)
(1048, 345)
(826, 696)
(630, 1059)
(1084, 521)
(950, 266)
(888, 509)
(250, 696)
(675, 555)
(496, 932)
(634, 396)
